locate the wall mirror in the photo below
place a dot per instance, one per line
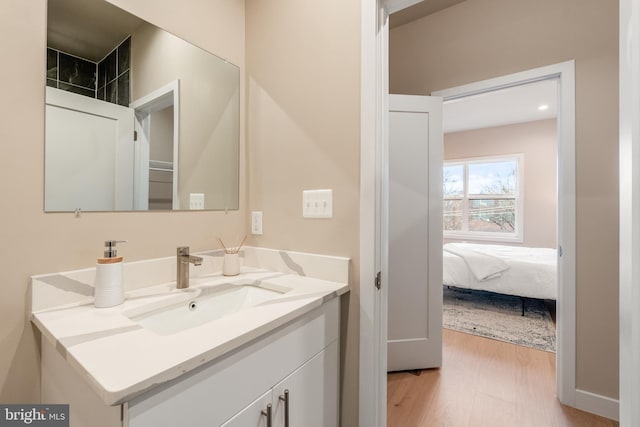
(136, 118)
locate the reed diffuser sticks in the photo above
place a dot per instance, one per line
(233, 249)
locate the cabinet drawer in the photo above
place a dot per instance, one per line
(212, 394)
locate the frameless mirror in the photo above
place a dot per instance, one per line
(136, 118)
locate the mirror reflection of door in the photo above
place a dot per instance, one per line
(90, 155)
(157, 124)
(161, 159)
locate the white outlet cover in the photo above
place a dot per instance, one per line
(256, 222)
(196, 201)
(317, 203)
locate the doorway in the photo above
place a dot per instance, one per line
(500, 214)
(408, 335)
(565, 333)
(157, 126)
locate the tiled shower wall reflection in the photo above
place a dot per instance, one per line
(107, 80)
(113, 75)
(71, 73)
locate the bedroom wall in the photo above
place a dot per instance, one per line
(481, 39)
(538, 143)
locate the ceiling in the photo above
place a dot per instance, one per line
(517, 104)
(419, 10)
(98, 27)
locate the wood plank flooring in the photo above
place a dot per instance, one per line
(483, 382)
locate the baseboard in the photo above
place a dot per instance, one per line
(597, 404)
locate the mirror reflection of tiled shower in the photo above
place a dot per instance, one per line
(107, 79)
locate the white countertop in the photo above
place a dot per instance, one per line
(120, 359)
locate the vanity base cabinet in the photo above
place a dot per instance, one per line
(301, 356)
(303, 353)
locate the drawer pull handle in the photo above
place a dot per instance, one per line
(285, 399)
(267, 413)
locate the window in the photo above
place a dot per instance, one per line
(482, 199)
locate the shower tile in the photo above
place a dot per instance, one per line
(111, 63)
(111, 94)
(52, 64)
(102, 73)
(77, 71)
(124, 55)
(123, 89)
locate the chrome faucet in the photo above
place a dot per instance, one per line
(184, 259)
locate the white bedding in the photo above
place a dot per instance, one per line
(530, 272)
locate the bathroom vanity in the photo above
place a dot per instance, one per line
(257, 349)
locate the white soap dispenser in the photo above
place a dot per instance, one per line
(109, 286)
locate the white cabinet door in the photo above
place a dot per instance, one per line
(313, 392)
(252, 415)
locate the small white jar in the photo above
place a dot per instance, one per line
(231, 264)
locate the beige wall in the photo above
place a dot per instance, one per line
(537, 142)
(480, 39)
(303, 78)
(33, 242)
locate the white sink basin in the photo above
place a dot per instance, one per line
(211, 305)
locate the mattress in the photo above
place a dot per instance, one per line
(511, 270)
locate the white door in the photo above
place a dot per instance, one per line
(414, 233)
(89, 154)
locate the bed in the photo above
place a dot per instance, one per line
(510, 270)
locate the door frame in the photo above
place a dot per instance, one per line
(374, 102)
(166, 96)
(566, 208)
(629, 212)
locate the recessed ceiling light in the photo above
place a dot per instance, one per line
(543, 107)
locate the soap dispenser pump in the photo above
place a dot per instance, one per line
(109, 286)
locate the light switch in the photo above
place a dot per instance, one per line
(196, 201)
(256, 222)
(317, 203)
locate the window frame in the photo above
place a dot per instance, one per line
(491, 236)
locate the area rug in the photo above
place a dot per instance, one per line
(499, 317)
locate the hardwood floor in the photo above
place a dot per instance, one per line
(483, 382)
